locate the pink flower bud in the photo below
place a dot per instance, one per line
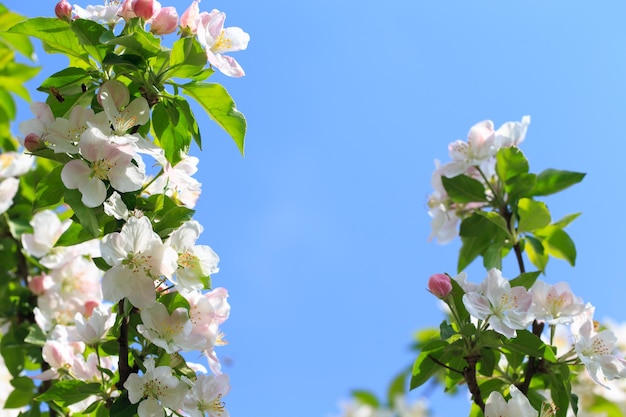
(440, 285)
(37, 284)
(126, 11)
(145, 9)
(189, 19)
(32, 142)
(63, 10)
(165, 22)
(89, 307)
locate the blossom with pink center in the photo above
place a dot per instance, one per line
(156, 388)
(218, 40)
(64, 134)
(121, 113)
(177, 182)
(103, 160)
(168, 331)
(555, 304)
(40, 124)
(205, 397)
(92, 329)
(503, 307)
(138, 257)
(195, 262)
(47, 229)
(482, 144)
(107, 14)
(598, 352)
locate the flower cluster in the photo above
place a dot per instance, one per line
(111, 286)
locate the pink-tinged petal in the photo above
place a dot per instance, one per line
(113, 94)
(93, 144)
(190, 17)
(165, 22)
(94, 192)
(216, 23)
(75, 173)
(226, 64)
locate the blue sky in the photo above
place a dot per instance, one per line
(322, 227)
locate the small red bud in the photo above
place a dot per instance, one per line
(63, 10)
(440, 285)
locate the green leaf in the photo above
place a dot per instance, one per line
(496, 219)
(74, 235)
(463, 189)
(536, 253)
(366, 397)
(171, 130)
(526, 279)
(558, 243)
(220, 107)
(552, 181)
(49, 191)
(532, 215)
(174, 300)
(520, 186)
(89, 33)
(55, 35)
(85, 215)
(457, 298)
(566, 220)
(529, 344)
(35, 336)
(192, 124)
(143, 43)
(67, 392)
(423, 368)
(492, 257)
(187, 58)
(446, 330)
(397, 388)
(66, 82)
(487, 362)
(510, 162)
(22, 394)
(471, 248)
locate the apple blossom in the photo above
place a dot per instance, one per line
(121, 113)
(168, 331)
(503, 307)
(195, 262)
(103, 161)
(177, 181)
(8, 190)
(556, 304)
(217, 40)
(597, 351)
(138, 257)
(40, 124)
(517, 406)
(107, 14)
(205, 397)
(93, 329)
(155, 389)
(64, 134)
(47, 229)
